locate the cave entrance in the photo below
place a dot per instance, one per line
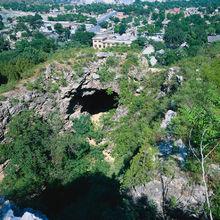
(94, 102)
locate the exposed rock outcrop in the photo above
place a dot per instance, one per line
(172, 81)
(188, 197)
(53, 91)
(168, 117)
(58, 83)
(7, 212)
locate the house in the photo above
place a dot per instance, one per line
(173, 11)
(98, 41)
(214, 38)
(121, 15)
(191, 11)
(157, 37)
(103, 40)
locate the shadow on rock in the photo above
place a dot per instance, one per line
(89, 197)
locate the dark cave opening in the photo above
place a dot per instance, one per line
(94, 102)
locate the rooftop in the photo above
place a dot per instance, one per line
(213, 38)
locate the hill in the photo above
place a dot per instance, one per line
(107, 119)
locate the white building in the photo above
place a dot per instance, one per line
(103, 40)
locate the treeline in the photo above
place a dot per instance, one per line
(29, 7)
(74, 17)
(97, 8)
(187, 36)
(196, 102)
(35, 21)
(40, 158)
(17, 63)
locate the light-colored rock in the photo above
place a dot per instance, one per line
(108, 157)
(153, 61)
(7, 212)
(189, 197)
(46, 100)
(102, 55)
(95, 76)
(182, 150)
(29, 216)
(121, 111)
(168, 117)
(148, 50)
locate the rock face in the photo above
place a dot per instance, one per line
(55, 89)
(21, 101)
(168, 117)
(7, 212)
(58, 84)
(172, 82)
(159, 191)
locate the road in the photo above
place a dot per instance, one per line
(103, 18)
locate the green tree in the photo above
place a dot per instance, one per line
(4, 44)
(83, 125)
(204, 133)
(83, 37)
(174, 35)
(141, 42)
(121, 28)
(28, 154)
(58, 28)
(64, 33)
(104, 24)
(2, 26)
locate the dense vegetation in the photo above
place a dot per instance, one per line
(28, 6)
(73, 17)
(17, 64)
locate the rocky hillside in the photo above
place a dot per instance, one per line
(107, 119)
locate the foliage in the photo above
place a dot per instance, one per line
(105, 74)
(64, 33)
(4, 44)
(28, 153)
(80, 18)
(83, 37)
(17, 63)
(216, 202)
(83, 125)
(142, 167)
(38, 156)
(35, 21)
(66, 151)
(141, 42)
(112, 61)
(104, 24)
(198, 109)
(120, 28)
(131, 60)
